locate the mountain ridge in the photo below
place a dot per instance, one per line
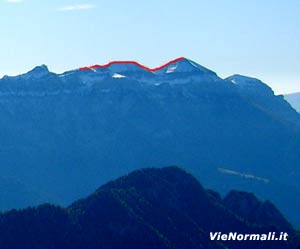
(78, 127)
(150, 208)
(135, 63)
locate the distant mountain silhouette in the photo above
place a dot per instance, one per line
(294, 100)
(262, 96)
(85, 127)
(149, 208)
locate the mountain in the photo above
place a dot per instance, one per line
(63, 134)
(149, 208)
(294, 100)
(247, 206)
(262, 96)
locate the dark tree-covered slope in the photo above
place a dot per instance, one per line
(149, 208)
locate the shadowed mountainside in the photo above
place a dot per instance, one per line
(149, 208)
(58, 131)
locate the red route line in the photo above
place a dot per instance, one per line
(134, 63)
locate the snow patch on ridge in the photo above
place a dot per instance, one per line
(118, 76)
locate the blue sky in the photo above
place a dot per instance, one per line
(254, 38)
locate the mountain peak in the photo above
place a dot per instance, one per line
(38, 71)
(149, 177)
(179, 65)
(249, 84)
(119, 66)
(243, 204)
(243, 80)
(182, 65)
